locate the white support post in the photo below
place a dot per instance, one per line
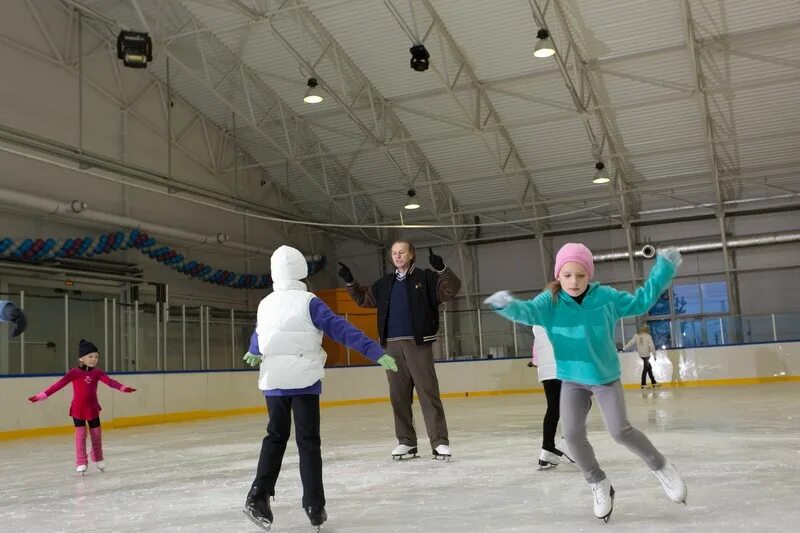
(774, 329)
(136, 335)
(347, 317)
(514, 331)
(105, 327)
(480, 334)
(114, 333)
(208, 337)
(202, 340)
(446, 334)
(22, 336)
(183, 334)
(158, 336)
(66, 332)
(233, 340)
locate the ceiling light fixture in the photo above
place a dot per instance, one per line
(420, 57)
(134, 48)
(544, 44)
(411, 203)
(313, 95)
(600, 174)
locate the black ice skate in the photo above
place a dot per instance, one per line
(404, 451)
(317, 515)
(257, 509)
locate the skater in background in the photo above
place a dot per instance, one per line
(579, 318)
(408, 302)
(544, 361)
(11, 312)
(646, 348)
(85, 409)
(289, 329)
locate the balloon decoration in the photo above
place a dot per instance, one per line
(44, 249)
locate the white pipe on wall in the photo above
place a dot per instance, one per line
(79, 209)
(648, 250)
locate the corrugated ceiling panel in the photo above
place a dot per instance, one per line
(497, 38)
(371, 37)
(741, 15)
(660, 126)
(554, 144)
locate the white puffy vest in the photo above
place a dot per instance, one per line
(290, 344)
(544, 355)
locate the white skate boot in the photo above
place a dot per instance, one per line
(672, 482)
(404, 451)
(101, 466)
(548, 460)
(563, 447)
(603, 494)
(81, 469)
(442, 452)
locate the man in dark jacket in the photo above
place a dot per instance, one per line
(408, 322)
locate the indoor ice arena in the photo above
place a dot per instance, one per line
(374, 266)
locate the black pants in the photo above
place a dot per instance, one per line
(647, 370)
(93, 423)
(552, 393)
(306, 425)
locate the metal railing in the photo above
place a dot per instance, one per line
(146, 336)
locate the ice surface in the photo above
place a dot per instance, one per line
(738, 448)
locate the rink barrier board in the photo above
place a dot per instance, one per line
(188, 416)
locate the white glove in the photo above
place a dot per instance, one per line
(672, 255)
(499, 299)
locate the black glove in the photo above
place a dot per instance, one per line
(345, 273)
(12, 313)
(436, 261)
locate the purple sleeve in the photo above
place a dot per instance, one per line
(254, 344)
(343, 331)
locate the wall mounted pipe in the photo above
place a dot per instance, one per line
(80, 209)
(648, 250)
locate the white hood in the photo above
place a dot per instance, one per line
(288, 264)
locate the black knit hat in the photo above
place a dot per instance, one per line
(86, 347)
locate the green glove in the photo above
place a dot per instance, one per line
(387, 362)
(252, 359)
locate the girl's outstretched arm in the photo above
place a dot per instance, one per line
(114, 384)
(528, 312)
(69, 377)
(646, 296)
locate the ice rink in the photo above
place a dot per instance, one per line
(738, 448)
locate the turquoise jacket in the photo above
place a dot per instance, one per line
(583, 334)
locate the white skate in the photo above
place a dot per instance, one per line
(101, 466)
(81, 469)
(603, 494)
(442, 452)
(672, 482)
(563, 447)
(548, 460)
(404, 451)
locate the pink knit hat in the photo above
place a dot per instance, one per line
(577, 253)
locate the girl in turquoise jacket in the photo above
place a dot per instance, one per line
(579, 318)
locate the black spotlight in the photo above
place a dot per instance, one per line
(134, 48)
(419, 58)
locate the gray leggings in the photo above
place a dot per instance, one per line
(575, 403)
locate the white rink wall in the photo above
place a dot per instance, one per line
(176, 396)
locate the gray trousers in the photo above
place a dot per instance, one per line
(575, 403)
(415, 369)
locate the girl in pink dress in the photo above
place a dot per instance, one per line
(85, 408)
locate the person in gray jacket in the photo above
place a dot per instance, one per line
(646, 348)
